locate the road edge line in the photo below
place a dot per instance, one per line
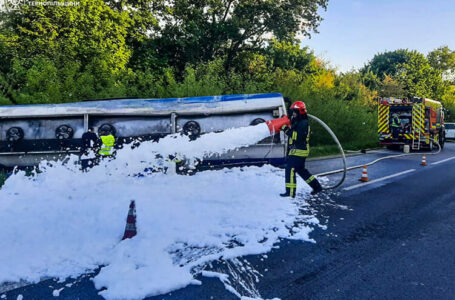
(378, 180)
(441, 161)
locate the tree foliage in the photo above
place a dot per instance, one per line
(63, 53)
(410, 69)
(178, 48)
(405, 73)
(193, 31)
(443, 59)
(387, 63)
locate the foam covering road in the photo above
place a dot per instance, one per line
(390, 239)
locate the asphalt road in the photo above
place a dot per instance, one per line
(391, 238)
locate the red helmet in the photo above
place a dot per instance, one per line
(300, 106)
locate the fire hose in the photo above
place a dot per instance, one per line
(345, 168)
(277, 123)
(380, 159)
(334, 137)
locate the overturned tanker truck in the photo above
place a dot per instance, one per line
(32, 133)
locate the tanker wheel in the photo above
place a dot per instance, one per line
(192, 129)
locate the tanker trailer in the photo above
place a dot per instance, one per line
(32, 133)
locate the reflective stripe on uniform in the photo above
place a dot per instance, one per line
(105, 151)
(308, 141)
(298, 152)
(293, 137)
(292, 184)
(395, 123)
(310, 179)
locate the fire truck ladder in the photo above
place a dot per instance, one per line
(418, 117)
(416, 142)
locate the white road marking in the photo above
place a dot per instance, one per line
(444, 160)
(377, 180)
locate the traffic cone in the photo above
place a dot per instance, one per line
(130, 228)
(424, 160)
(364, 177)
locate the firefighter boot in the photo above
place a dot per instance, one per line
(288, 193)
(316, 186)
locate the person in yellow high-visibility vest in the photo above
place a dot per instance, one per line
(396, 126)
(107, 146)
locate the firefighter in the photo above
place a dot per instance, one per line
(87, 156)
(298, 150)
(107, 144)
(89, 139)
(396, 124)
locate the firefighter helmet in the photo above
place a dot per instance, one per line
(299, 106)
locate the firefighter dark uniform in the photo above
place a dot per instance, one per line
(87, 156)
(89, 139)
(298, 151)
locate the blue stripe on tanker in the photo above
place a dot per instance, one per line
(118, 103)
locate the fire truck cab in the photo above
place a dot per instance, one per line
(419, 122)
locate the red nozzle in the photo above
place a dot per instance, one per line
(276, 124)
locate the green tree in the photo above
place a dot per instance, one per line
(391, 88)
(411, 70)
(83, 47)
(443, 59)
(88, 31)
(191, 31)
(387, 63)
(350, 87)
(288, 55)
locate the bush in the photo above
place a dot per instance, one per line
(342, 101)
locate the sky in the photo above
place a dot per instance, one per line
(353, 31)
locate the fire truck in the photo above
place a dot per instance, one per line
(420, 123)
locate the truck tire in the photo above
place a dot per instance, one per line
(14, 134)
(106, 129)
(192, 129)
(64, 132)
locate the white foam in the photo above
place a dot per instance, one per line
(62, 222)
